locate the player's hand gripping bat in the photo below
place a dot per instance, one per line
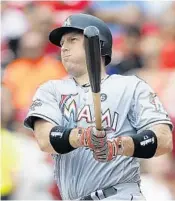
(93, 61)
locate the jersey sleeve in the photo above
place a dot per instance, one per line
(45, 105)
(146, 109)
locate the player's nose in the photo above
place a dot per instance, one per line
(64, 47)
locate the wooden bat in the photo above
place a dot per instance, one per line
(93, 61)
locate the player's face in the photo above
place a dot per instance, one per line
(73, 53)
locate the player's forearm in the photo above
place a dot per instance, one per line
(164, 141)
(73, 138)
(41, 130)
(127, 146)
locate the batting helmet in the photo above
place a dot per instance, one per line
(80, 22)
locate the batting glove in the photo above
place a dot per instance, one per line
(92, 138)
(109, 151)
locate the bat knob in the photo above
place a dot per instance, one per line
(91, 31)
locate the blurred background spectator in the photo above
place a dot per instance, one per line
(10, 152)
(143, 45)
(26, 171)
(32, 67)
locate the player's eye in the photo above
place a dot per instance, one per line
(73, 39)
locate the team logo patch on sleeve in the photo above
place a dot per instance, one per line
(36, 103)
(152, 99)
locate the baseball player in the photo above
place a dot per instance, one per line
(93, 164)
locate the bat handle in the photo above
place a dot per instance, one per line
(97, 110)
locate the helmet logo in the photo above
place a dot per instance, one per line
(67, 22)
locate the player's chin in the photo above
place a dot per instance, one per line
(74, 73)
(74, 70)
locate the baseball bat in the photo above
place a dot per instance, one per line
(93, 61)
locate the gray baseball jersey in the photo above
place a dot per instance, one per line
(128, 106)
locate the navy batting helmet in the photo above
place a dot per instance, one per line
(80, 22)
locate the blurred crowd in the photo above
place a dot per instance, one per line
(143, 44)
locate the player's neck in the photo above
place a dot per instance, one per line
(84, 79)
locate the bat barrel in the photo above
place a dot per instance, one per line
(93, 56)
(93, 61)
(91, 32)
